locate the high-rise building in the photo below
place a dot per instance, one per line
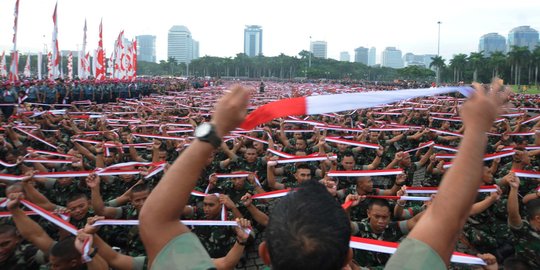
(492, 42)
(372, 56)
(319, 49)
(523, 36)
(180, 44)
(195, 49)
(253, 40)
(361, 55)
(391, 57)
(345, 56)
(428, 59)
(146, 48)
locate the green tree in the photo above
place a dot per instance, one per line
(458, 64)
(438, 63)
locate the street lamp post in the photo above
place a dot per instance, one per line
(309, 62)
(439, 52)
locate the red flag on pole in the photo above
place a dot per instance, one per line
(55, 52)
(13, 74)
(100, 67)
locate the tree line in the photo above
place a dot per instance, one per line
(519, 66)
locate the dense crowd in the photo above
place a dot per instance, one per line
(91, 152)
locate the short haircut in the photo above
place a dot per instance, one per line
(8, 229)
(65, 249)
(308, 229)
(76, 196)
(533, 208)
(379, 202)
(303, 166)
(139, 188)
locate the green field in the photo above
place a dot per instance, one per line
(530, 90)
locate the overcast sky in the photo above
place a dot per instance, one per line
(287, 25)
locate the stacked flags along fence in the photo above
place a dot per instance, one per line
(124, 57)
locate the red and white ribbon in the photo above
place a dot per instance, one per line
(487, 157)
(446, 148)
(423, 145)
(271, 194)
(279, 153)
(530, 120)
(305, 159)
(353, 143)
(431, 190)
(135, 222)
(51, 217)
(446, 132)
(527, 174)
(36, 138)
(365, 173)
(154, 136)
(391, 247)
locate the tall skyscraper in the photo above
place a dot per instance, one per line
(195, 49)
(372, 57)
(492, 42)
(345, 56)
(146, 48)
(319, 49)
(253, 40)
(180, 44)
(523, 36)
(391, 57)
(361, 55)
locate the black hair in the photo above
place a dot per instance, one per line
(76, 196)
(65, 249)
(308, 229)
(533, 208)
(379, 202)
(139, 188)
(8, 229)
(303, 166)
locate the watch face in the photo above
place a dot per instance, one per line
(202, 130)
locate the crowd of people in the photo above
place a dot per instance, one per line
(91, 154)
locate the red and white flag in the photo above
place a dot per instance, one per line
(13, 73)
(55, 57)
(70, 66)
(81, 66)
(27, 67)
(337, 103)
(3, 67)
(100, 61)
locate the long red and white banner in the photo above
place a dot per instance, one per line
(364, 173)
(391, 247)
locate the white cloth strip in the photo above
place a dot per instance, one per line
(353, 143)
(364, 173)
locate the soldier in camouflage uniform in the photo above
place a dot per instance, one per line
(526, 232)
(378, 225)
(364, 186)
(15, 254)
(217, 240)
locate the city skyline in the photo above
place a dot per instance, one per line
(343, 29)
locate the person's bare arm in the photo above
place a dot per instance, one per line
(29, 229)
(377, 160)
(237, 251)
(161, 211)
(481, 206)
(33, 195)
(532, 196)
(272, 183)
(92, 181)
(514, 218)
(462, 179)
(114, 259)
(257, 214)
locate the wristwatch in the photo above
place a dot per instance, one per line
(206, 132)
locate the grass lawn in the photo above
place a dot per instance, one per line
(530, 90)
